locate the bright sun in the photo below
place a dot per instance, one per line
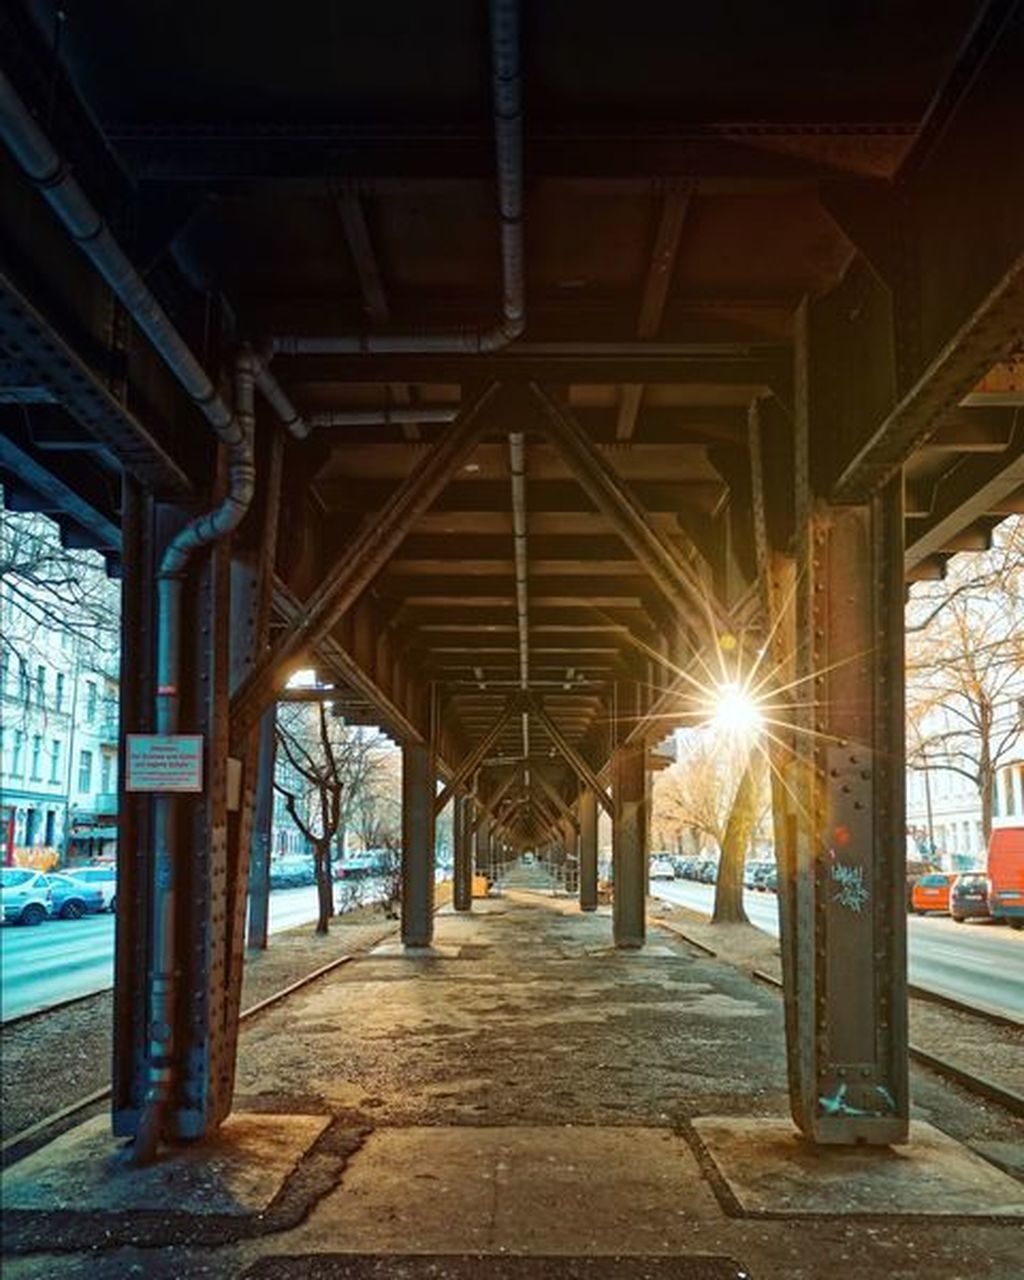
(735, 711)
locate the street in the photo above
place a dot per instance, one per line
(976, 962)
(61, 959)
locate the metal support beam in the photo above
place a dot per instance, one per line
(629, 846)
(470, 763)
(588, 851)
(970, 491)
(418, 782)
(362, 561)
(573, 758)
(677, 580)
(561, 808)
(462, 875)
(482, 843)
(262, 835)
(844, 910)
(989, 334)
(674, 207)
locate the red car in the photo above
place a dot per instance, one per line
(931, 893)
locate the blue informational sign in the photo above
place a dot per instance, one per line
(163, 762)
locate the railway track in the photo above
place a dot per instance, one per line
(28, 1140)
(980, 1086)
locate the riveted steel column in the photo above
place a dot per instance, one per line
(846, 913)
(483, 846)
(418, 787)
(588, 851)
(462, 887)
(262, 826)
(629, 845)
(850, 1056)
(134, 866)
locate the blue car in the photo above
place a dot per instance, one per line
(73, 898)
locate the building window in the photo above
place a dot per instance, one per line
(54, 762)
(106, 762)
(18, 753)
(41, 685)
(90, 701)
(5, 668)
(85, 771)
(31, 822)
(37, 755)
(58, 692)
(1011, 793)
(51, 823)
(24, 688)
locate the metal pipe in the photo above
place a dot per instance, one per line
(277, 398)
(517, 470)
(162, 1066)
(507, 108)
(62, 192)
(391, 416)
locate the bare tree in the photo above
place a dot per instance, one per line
(49, 589)
(965, 666)
(329, 765)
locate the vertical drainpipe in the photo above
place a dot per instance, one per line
(162, 1067)
(517, 468)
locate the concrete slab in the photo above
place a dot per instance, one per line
(524, 1189)
(771, 1170)
(239, 1171)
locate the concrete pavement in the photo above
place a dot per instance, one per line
(523, 1091)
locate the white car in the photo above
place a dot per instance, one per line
(662, 869)
(103, 878)
(25, 895)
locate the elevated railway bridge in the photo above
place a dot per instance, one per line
(528, 371)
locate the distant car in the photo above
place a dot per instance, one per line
(754, 873)
(662, 869)
(73, 898)
(968, 896)
(916, 868)
(931, 892)
(768, 879)
(25, 895)
(293, 871)
(359, 866)
(103, 877)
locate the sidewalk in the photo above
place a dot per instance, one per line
(523, 1101)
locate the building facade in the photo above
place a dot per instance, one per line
(58, 701)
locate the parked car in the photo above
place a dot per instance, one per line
(25, 895)
(73, 898)
(359, 866)
(916, 868)
(1006, 872)
(754, 873)
(767, 878)
(969, 896)
(102, 877)
(662, 869)
(931, 892)
(293, 871)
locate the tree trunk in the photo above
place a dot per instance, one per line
(325, 896)
(739, 829)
